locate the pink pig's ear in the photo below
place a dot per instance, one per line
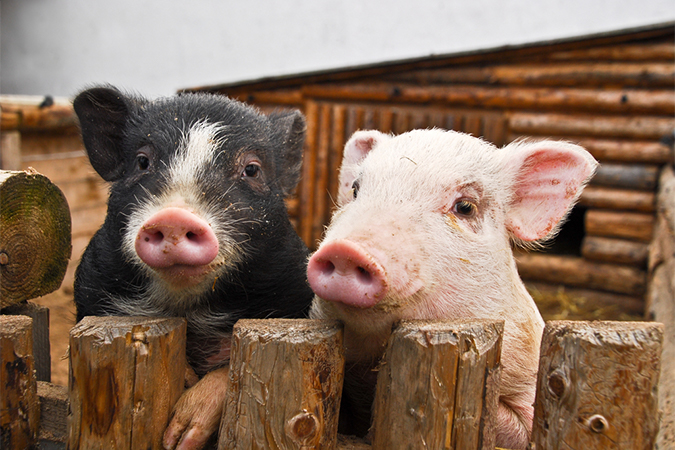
(356, 149)
(548, 179)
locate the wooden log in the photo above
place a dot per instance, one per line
(126, 374)
(34, 236)
(337, 144)
(41, 345)
(438, 386)
(618, 199)
(321, 172)
(575, 271)
(53, 414)
(617, 251)
(10, 150)
(58, 117)
(598, 386)
(19, 408)
(657, 51)
(624, 225)
(616, 74)
(285, 97)
(9, 120)
(586, 303)
(554, 99)
(637, 127)
(641, 177)
(605, 150)
(285, 385)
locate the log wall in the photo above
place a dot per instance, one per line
(615, 95)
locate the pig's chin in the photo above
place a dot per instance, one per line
(183, 276)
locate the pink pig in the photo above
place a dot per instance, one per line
(424, 230)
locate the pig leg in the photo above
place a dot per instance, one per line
(197, 414)
(511, 431)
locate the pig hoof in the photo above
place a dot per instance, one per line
(197, 414)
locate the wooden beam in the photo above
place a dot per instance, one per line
(606, 150)
(638, 127)
(19, 408)
(636, 176)
(34, 236)
(554, 99)
(616, 224)
(285, 385)
(126, 375)
(438, 386)
(598, 385)
(618, 199)
(617, 251)
(575, 271)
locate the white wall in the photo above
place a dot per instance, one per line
(156, 47)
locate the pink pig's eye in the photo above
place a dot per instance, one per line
(465, 208)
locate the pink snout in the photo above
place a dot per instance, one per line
(175, 237)
(343, 272)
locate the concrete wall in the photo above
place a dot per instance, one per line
(156, 47)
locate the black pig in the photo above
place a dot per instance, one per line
(196, 226)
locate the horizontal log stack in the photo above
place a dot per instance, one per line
(613, 94)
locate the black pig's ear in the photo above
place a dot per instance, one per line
(290, 128)
(103, 113)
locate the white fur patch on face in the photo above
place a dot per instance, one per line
(195, 153)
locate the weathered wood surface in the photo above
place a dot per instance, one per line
(622, 74)
(34, 236)
(623, 225)
(134, 368)
(19, 408)
(10, 150)
(608, 150)
(602, 302)
(41, 344)
(575, 271)
(635, 176)
(31, 118)
(597, 386)
(619, 251)
(473, 95)
(618, 199)
(53, 414)
(285, 385)
(438, 386)
(634, 126)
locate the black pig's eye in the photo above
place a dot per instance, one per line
(251, 170)
(355, 188)
(466, 208)
(142, 161)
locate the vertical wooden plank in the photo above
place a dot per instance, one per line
(41, 344)
(321, 198)
(418, 119)
(436, 119)
(10, 150)
(337, 144)
(386, 124)
(307, 184)
(53, 415)
(401, 121)
(438, 386)
(19, 408)
(473, 124)
(285, 385)
(597, 385)
(369, 118)
(126, 374)
(494, 129)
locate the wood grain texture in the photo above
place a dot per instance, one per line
(41, 344)
(126, 375)
(285, 385)
(53, 413)
(597, 386)
(438, 386)
(618, 199)
(618, 251)
(34, 236)
(617, 224)
(19, 408)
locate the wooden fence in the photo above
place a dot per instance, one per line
(438, 382)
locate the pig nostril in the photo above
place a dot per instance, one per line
(191, 236)
(364, 276)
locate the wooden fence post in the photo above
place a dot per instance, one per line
(126, 374)
(285, 385)
(19, 409)
(597, 386)
(438, 386)
(41, 344)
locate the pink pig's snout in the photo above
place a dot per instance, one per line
(176, 237)
(343, 272)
